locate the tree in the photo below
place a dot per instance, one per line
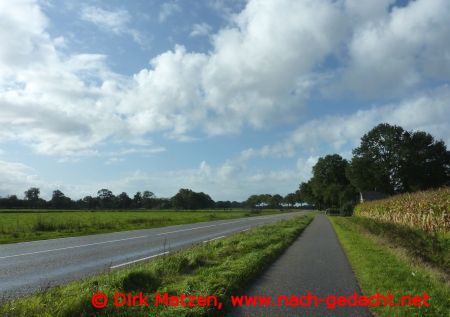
(59, 200)
(188, 199)
(91, 202)
(425, 163)
(124, 201)
(392, 160)
(305, 194)
(32, 194)
(32, 197)
(329, 183)
(376, 162)
(290, 199)
(137, 200)
(106, 198)
(147, 199)
(275, 201)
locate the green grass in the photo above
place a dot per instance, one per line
(219, 268)
(434, 248)
(380, 266)
(27, 226)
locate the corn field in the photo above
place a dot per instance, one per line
(426, 210)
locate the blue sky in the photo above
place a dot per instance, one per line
(228, 97)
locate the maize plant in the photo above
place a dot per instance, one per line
(426, 210)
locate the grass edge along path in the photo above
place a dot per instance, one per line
(380, 268)
(220, 268)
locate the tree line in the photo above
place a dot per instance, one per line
(388, 161)
(105, 199)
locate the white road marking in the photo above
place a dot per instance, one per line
(190, 229)
(73, 247)
(214, 239)
(138, 260)
(245, 230)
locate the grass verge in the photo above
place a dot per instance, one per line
(219, 268)
(433, 248)
(380, 267)
(38, 225)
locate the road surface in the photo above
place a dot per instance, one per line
(315, 263)
(32, 266)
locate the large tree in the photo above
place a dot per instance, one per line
(426, 162)
(376, 162)
(329, 184)
(392, 160)
(188, 199)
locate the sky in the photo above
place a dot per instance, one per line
(228, 97)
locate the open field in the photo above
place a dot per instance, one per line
(219, 268)
(381, 266)
(25, 225)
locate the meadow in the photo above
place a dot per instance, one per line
(28, 225)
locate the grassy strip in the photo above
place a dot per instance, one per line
(433, 248)
(381, 268)
(218, 268)
(18, 227)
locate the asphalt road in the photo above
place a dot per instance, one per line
(315, 263)
(32, 266)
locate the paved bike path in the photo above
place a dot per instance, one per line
(315, 263)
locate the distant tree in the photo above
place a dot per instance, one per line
(275, 201)
(188, 199)
(137, 200)
(223, 205)
(124, 201)
(106, 198)
(59, 200)
(147, 199)
(91, 202)
(32, 194)
(290, 199)
(32, 197)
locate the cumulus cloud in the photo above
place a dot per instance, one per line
(16, 178)
(395, 51)
(261, 70)
(428, 112)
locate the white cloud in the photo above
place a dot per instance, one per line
(167, 9)
(393, 52)
(200, 29)
(16, 178)
(259, 72)
(429, 111)
(116, 21)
